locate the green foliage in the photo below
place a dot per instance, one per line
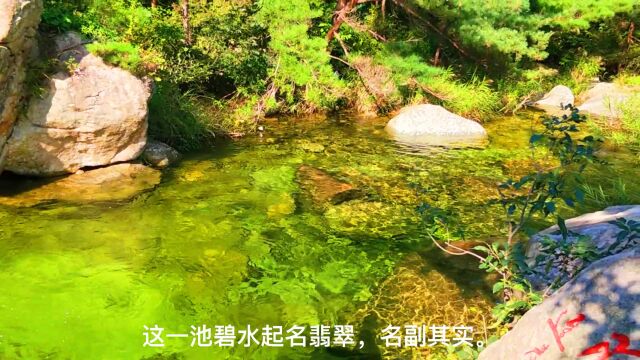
(569, 257)
(616, 194)
(540, 192)
(124, 55)
(628, 236)
(625, 131)
(176, 120)
(574, 252)
(257, 58)
(417, 80)
(537, 194)
(61, 15)
(300, 67)
(630, 120)
(506, 29)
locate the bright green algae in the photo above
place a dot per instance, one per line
(226, 239)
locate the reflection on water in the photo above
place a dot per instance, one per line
(229, 237)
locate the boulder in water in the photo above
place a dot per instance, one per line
(95, 116)
(429, 124)
(605, 99)
(593, 316)
(113, 183)
(323, 188)
(159, 154)
(555, 101)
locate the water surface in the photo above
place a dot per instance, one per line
(229, 237)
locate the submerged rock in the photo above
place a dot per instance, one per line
(433, 125)
(596, 313)
(593, 229)
(159, 154)
(555, 101)
(418, 293)
(605, 99)
(364, 220)
(95, 116)
(323, 188)
(113, 183)
(19, 20)
(309, 146)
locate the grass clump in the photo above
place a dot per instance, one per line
(630, 121)
(175, 118)
(121, 54)
(624, 131)
(418, 81)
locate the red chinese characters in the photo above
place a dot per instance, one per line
(557, 332)
(604, 348)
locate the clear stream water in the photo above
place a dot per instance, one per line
(230, 237)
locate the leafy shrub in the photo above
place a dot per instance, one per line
(60, 15)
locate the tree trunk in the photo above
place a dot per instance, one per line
(185, 22)
(154, 4)
(342, 8)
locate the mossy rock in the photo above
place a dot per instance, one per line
(370, 220)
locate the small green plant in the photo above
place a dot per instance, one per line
(71, 65)
(629, 235)
(36, 75)
(564, 259)
(616, 194)
(569, 257)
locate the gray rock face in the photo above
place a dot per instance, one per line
(555, 100)
(112, 183)
(434, 125)
(593, 227)
(159, 154)
(594, 315)
(19, 20)
(95, 116)
(604, 100)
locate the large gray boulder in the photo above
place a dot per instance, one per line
(593, 229)
(605, 99)
(556, 100)
(591, 317)
(95, 116)
(19, 20)
(434, 125)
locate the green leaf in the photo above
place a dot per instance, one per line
(497, 287)
(535, 138)
(563, 228)
(481, 248)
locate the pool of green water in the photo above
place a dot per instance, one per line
(230, 237)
